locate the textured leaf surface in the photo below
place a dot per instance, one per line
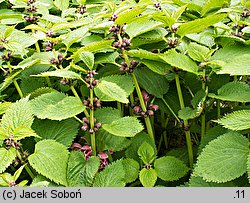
(63, 132)
(140, 26)
(152, 82)
(156, 66)
(170, 168)
(248, 167)
(107, 115)
(128, 15)
(4, 106)
(146, 153)
(6, 158)
(56, 106)
(197, 52)
(50, 159)
(199, 25)
(131, 168)
(60, 73)
(61, 4)
(224, 158)
(187, 113)
(88, 58)
(106, 58)
(238, 120)
(233, 91)
(112, 176)
(22, 132)
(183, 62)
(109, 91)
(19, 114)
(148, 177)
(124, 127)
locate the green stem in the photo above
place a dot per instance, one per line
(203, 115)
(119, 106)
(187, 131)
(218, 108)
(92, 123)
(143, 106)
(170, 109)
(26, 165)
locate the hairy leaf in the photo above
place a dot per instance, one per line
(197, 52)
(112, 176)
(224, 158)
(131, 168)
(50, 160)
(56, 106)
(238, 120)
(61, 4)
(6, 158)
(146, 153)
(22, 132)
(60, 73)
(148, 177)
(63, 132)
(88, 58)
(170, 168)
(107, 115)
(124, 127)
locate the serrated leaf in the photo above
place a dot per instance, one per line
(148, 177)
(124, 127)
(88, 58)
(212, 5)
(233, 91)
(248, 167)
(128, 15)
(170, 168)
(196, 181)
(187, 113)
(131, 168)
(107, 141)
(6, 158)
(30, 61)
(197, 52)
(61, 4)
(141, 53)
(107, 115)
(89, 171)
(60, 73)
(199, 25)
(4, 107)
(110, 91)
(183, 62)
(19, 114)
(106, 58)
(22, 132)
(112, 176)
(136, 142)
(146, 153)
(156, 66)
(224, 158)
(198, 98)
(63, 132)
(50, 160)
(56, 106)
(140, 26)
(152, 82)
(238, 120)
(9, 79)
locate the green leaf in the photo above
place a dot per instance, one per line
(124, 127)
(170, 168)
(22, 132)
(156, 66)
(238, 120)
(110, 91)
(3, 135)
(197, 52)
(136, 142)
(131, 168)
(107, 141)
(199, 25)
(107, 115)
(61, 4)
(89, 171)
(140, 26)
(187, 113)
(198, 98)
(143, 54)
(88, 58)
(128, 15)
(19, 114)
(6, 158)
(183, 62)
(50, 160)
(63, 132)
(146, 153)
(196, 181)
(224, 158)
(18, 172)
(148, 177)
(106, 58)
(8, 31)
(9, 79)
(56, 106)
(60, 73)
(152, 82)
(233, 91)
(112, 176)
(212, 5)
(75, 166)
(4, 107)
(248, 167)
(30, 61)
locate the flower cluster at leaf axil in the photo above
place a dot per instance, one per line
(86, 126)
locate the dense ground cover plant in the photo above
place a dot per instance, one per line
(124, 93)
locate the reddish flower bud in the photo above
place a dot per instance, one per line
(150, 112)
(91, 131)
(137, 109)
(102, 155)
